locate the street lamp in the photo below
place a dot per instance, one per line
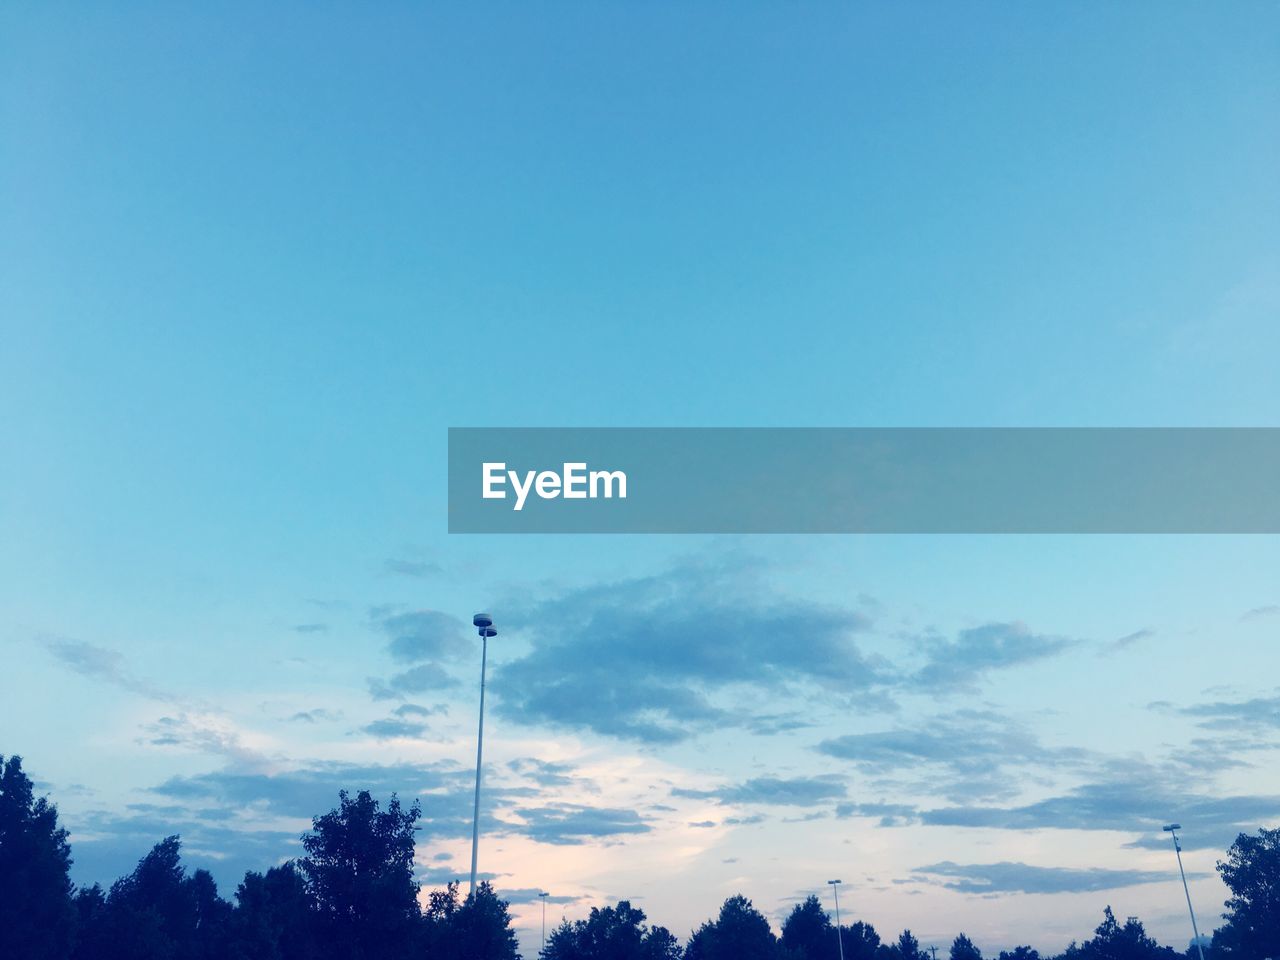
(543, 897)
(484, 625)
(1172, 829)
(835, 889)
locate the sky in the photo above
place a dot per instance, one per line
(255, 262)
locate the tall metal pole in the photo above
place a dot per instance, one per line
(1177, 849)
(835, 889)
(543, 897)
(484, 624)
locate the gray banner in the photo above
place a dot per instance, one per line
(783, 480)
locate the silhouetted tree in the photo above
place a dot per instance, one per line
(275, 917)
(353, 897)
(359, 872)
(907, 948)
(1115, 941)
(1252, 874)
(91, 907)
(157, 912)
(740, 932)
(208, 939)
(434, 930)
(661, 944)
(37, 918)
(860, 941)
(611, 933)
(479, 928)
(807, 932)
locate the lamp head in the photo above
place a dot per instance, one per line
(482, 620)
(832, 883)
(1169, 828)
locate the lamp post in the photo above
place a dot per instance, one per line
(1172, 829)
(835, 889)
(484, 625)
(543, 897)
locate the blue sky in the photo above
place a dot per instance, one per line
(253, 263)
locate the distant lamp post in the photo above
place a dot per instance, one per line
(835, 889)
(1172, 829)
(543, 897)
(484, 625)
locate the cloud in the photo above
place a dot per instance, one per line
(391, 728)
(1259, 613)
(1128, 640)
(101, 663)
(1007, 877)
(1140, 803)
(889, 814)
(444, 789)
(771, 724)
(419, 569)
(420, 635)
(417, 710)
(1259, 713)
(773, 791)
(440, 876)
(959, 664)
(972, 752)
(306, 791)
(645, 659)
(207, 734)
(565, 824)
(316, 715)
(543, 773)
(419, 679)
(523, 895)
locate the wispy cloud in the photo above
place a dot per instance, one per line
(1135, 804)
(969, 753)
(773, 791)
(543, 773)
(391, 728)
(206, 734)
(522, 895)
(1128, 640)
(316, 715)
(420, 679)
(1260, 613)
(417, 710)
(644, 659)
(960, 663)
(889, 814)
(101, 663)
(303, 791)
(419, 569)
(1258, 713)
(1008, 877)
(418, 635)
(574, 824)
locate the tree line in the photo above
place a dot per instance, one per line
(353, 896)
